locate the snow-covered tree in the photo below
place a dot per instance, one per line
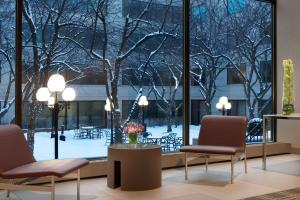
(208, 45)
(53, 43)
(7, 60)
(252, 33)
(225, 35)
(122, 37)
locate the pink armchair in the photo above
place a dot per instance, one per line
(220, 135)
(17, 161)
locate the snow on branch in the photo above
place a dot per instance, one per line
(5, 109)
(142, 40)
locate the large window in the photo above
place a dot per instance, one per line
(121, 50)
(7, 62)
(232, 51)
(115, 49)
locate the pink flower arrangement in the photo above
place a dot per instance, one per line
(133, 128)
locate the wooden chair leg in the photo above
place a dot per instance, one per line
(78, 184)
(186, 166)
(52, 188)
(232, 168)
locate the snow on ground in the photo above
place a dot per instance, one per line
(89, 148)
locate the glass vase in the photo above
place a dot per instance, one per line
(288, 96)
(133, 138)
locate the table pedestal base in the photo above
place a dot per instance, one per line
(134, 169)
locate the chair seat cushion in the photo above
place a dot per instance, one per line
(58, 168)
(211, 149)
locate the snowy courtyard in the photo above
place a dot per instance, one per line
(90, 148)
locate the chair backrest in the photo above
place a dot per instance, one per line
(14, 150)
(223, 131)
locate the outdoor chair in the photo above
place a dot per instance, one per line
(178, 143)
(80, 133)
(168, 142)
(220, 135)
(17, 162)
(98, 132)
(76, 133)
(254, 130)
(156, 141)
(107, 137)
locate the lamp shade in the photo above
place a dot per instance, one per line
(108, 100)
(68, 94)
(143, 101)
(107, 107)
(219, 106)
(43, 94)
(223, 100)
(56, 83)
(228, 106)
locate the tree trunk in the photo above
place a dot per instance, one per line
(31, 126)
(169, 119)
(118, 129)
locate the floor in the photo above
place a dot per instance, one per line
(283, 173)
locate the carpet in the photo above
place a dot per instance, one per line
(293, 194)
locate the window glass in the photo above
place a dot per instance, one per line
(0, 71)
(235, 6)
(91, 113)
(199, 12)
(113, 50)
(265, 70)
(198, 113)
(119, 51)
(7, 61)
(231, 55)
(238, 108)
(236, 74)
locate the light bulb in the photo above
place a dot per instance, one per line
(43, 94)
(108, 100)
(146, 103)
(219, 106)
(107, 107)
(223, 100)
(228, 106)
(68, 94)
(56, 83)
(143, 101)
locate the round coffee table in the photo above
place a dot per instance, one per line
(134, 167)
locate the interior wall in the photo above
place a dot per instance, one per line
(288, 46)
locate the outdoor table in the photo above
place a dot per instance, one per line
(88, 130)
(152, 140)
(134, 167)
